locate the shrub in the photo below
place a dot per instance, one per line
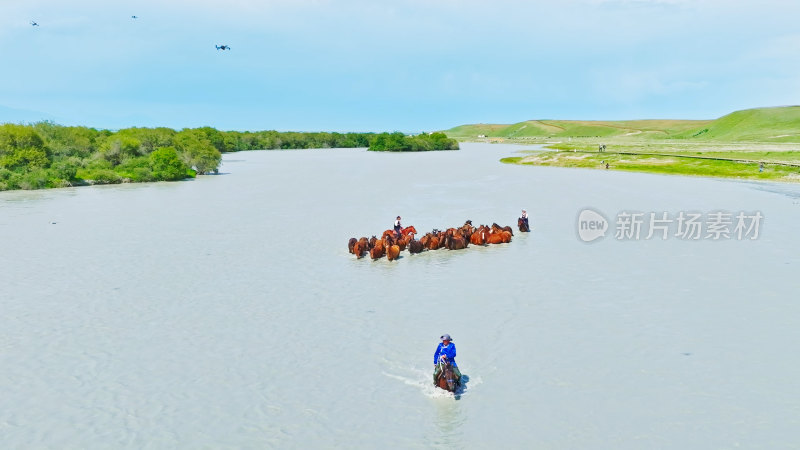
(65, 169)
(100, 176)
(36, 179)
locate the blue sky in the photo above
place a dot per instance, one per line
(391, 65)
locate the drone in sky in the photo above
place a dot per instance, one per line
(223, 47)
(34, 24)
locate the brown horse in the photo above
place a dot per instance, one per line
(371, 242)
(424, 240)
(415, 246)
(391, 248)
(494, 237)
(441, 235)
(455, 241)
(467, 229)
(404, 241)
(505, 228)
(378, 250)
(433, 242)
(458, 243)
(447, 378)
(350, 244)
(408, 230)
(361, 246)
(392, 252)
(403, 232)
(478, 237)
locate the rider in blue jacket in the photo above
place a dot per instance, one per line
(446, 349)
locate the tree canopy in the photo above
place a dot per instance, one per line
(399, 142)
(45, 154)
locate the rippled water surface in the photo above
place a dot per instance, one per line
(226, 311)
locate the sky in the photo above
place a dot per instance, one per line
(405, 65)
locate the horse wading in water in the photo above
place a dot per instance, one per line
(522, 222)
(447, 378)
(446, 374)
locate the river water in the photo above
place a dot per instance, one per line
(225, 312)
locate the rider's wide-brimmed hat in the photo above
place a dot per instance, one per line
(446, 337)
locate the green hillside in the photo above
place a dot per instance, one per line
(780, 124)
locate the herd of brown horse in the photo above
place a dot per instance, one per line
(391, 244)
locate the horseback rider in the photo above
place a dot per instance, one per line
(525, 219)
(398, 229)
(445, 350)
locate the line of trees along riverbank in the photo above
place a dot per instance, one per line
(399, 142)
(46, 155)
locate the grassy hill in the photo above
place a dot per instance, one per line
(761, 125)
(780, 124)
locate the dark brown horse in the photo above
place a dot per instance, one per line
(350, 244)
(433, 242)
(405, 240)
(523, 227)
(467, 229)
(415, 246)
(454, 241)
(447, 378)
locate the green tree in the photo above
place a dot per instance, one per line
(197, 151)
(65, 169)
(14, 137)
(25, 159)
(118, 148)
(149, 138)
(67, 141)
(167, 165)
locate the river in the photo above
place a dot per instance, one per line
(226, 312)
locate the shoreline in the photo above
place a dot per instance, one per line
(767, 168)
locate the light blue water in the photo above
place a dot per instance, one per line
(226, 311)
